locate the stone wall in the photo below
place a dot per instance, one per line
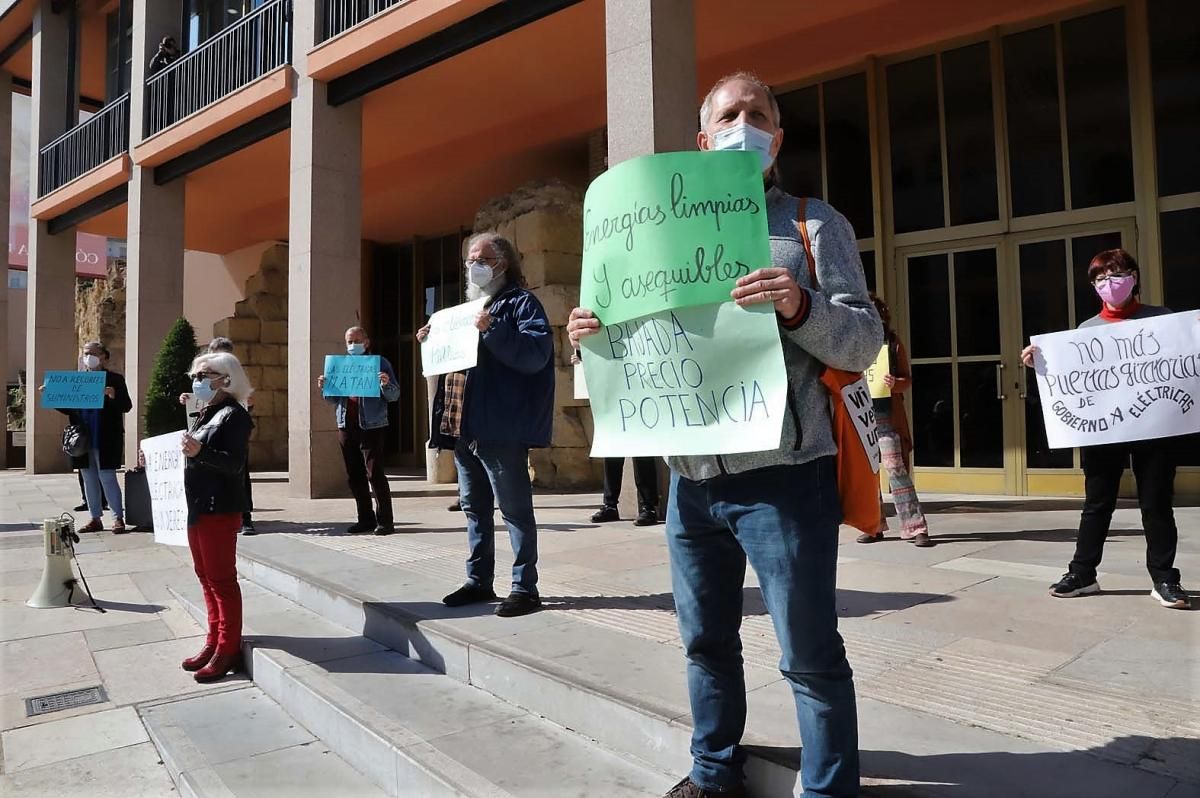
(544, 221)
(100, 313)
(258, 329)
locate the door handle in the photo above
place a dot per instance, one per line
(1000, 382)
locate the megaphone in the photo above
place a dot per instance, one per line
(58, 579)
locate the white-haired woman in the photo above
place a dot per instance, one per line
(215, 447)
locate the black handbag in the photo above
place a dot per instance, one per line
(75, 442)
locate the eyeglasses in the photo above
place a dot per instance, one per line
(1111, 275)
(467, 263)
(205, 375)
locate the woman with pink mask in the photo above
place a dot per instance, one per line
(1114, 274)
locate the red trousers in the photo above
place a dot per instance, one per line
(213, 541)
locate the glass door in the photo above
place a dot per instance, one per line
(957, 310)
(1050, 271)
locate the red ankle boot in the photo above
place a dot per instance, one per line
(200, 660)
(219, 667)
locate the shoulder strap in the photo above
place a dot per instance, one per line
(801, 223)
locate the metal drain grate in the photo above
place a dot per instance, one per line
(57, 702)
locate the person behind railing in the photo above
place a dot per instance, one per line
(168, 53)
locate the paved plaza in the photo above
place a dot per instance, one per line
(972, 681)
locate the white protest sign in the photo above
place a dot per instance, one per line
(580, 380)
(193, 405)
(164, 476)
(1128, 381)
(453, 340)
(857, 398)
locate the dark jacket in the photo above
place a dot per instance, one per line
(214, 479)
(437, 438)
(111, 441)
(510, 392)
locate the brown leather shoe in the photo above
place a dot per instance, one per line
(921, 540)
(95, 525)
(200, 660)
(118, 527)
(220, 666)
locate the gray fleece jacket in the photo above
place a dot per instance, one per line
(837, 325)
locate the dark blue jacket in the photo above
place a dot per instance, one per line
(510, 392)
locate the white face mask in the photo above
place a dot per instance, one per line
(479, 274)
(91, 362)
(747, 138)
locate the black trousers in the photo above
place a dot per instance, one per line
(1154, 469)
(645, 476)
(249, 497)
(362, 450)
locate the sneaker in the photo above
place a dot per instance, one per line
(359, 528)
(605, 514)
(95, 525)
(647, 516)
(248, 528)
(118, 527)
(385, 529)
(518, 604)
(1171, 595)
(690, 789)
(470, 593)
(1072, 585)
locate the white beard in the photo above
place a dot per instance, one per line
(490, 290)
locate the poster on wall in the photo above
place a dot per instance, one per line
(1129, 381)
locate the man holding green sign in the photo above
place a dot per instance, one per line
(776, 504)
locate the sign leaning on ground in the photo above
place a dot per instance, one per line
(351, 375)
(672, 230)
(1129, 381)
(74, 390)
(453, 340)
(164, 477)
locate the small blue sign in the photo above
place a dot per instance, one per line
(74, 390)
(351, 375)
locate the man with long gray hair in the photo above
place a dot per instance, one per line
(496, 412)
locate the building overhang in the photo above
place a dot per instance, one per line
(104, 178)
(273, 90)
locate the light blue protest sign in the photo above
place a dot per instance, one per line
(351, 375)
(74, 390)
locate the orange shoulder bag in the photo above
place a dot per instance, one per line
(852, 413)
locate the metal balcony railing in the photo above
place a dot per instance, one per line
(100, 138)
(342, 15)
(245, 51)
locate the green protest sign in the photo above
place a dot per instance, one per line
(699, 380)
(672, 230)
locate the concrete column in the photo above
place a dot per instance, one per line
(650, 48)
(325, 262)
(5, 176)
(50, 320)
(154, 276)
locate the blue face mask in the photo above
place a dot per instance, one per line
(356, 349)
(748, 138)
(203, 390)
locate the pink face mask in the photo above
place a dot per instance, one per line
(1116, 290)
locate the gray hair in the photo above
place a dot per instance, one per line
(745, 77)
(358, 329)
(220, 344)
(227, 365)
(505, 250)
(96, 345)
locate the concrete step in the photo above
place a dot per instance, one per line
(626, 689)
(238, 743)
(412, 730)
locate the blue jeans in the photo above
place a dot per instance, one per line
(785, 520)
(487, 473)
(96, 479)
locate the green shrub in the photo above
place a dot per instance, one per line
(169, 379)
